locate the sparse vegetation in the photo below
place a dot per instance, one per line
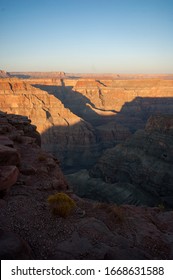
(114, 211)
(42, 157)
(61, 204)
(161, 207)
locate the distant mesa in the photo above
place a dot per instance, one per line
(4, 74)
(38, 75)
(86, 76)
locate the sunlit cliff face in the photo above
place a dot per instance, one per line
(79, 118)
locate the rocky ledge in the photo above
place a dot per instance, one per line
(28, 230)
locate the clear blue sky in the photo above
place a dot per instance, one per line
(110, 36)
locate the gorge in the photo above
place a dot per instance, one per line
(98, 130)
(106, 142)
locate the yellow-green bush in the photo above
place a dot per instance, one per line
(61, 204)
(161, 207)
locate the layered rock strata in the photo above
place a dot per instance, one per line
(79, 118)
(144, 161)
(126, 102)
(75, 141)
(61, 130)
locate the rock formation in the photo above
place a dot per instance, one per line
(20, 140)
(4, 74)
(142, 164)
(126, 102)
(23, 165)
(80, 118)
(104, 231)
(37, 75)
(133, 101)
(73, 139)
(60, 128)
(114, 108)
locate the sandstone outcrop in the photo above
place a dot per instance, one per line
(133, 100)
(26, 156)
(9, 156)
(120, 102)
(18, 153)
(8, 177)
(60, 128)
(79, 118)
(9, 160)
(71, 138)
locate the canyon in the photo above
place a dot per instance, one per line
(79, 118)
(88, 124)
(137, 171)
(104, 140)
(28, 175)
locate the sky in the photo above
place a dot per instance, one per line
(87, 36)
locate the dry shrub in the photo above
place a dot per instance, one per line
(114, 211)
(161, 207)
(42, 157)
(61, 204)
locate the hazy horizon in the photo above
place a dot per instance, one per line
(102, 36)
(89, 73)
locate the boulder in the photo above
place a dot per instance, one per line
(9, 156)
(12, 247)
(4, 140)
(8, 177)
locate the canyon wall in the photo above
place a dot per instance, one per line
(79, 118)
(126, 102)
(138, 171)
(74, 140)
(118, 136)
(61, 129)
(28, 228)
